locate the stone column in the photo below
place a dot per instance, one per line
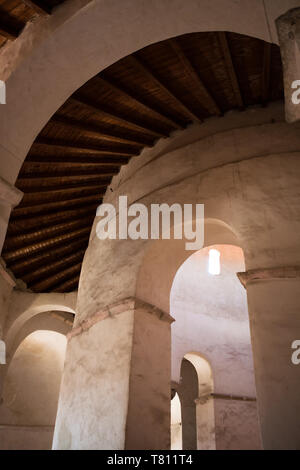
(188, 392)
(9, 198)
(288, 27)
(274, 312)
(115, 392)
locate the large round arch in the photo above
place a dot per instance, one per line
(52, 71)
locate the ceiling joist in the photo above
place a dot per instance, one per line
(201, 91)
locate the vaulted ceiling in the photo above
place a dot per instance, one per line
(127, 107)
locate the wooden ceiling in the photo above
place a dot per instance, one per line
(130, 105)
(14, 14)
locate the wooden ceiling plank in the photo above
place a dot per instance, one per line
(25, 225)
(51, 188)
(57, 278)
(50, 268)
(63, 178)
(230, 69)
(30, 264)
(149, 108)
(200, 88)
(150, 75)
(22, 211)
(69, 285)
(126, 122)
(46, 233)
(51, 196)
(80, 146)
(10, 26)
(78, 158)
(38, 6)
(84, 127)
(26, 251)
(49, 169)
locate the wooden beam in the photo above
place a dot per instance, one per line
(38, 6)
(46, 233)
(59, 194)
(92, 129)
(266, 73)
(27, 225)
(10, 27)
(69, 285)
(33, 185)
(121, 120)
(138, 102)
(26, 251)
(60, 276)
(28, 265)
(86, 158)
(150, 75)
(192, 74)
(230, 69)
(48, 169)
(57, 206)
(93, 148)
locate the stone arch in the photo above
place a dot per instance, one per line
(58, 321)
(163, 258)
(197, 404)
(30, 393)
(51, 65)
(25, 305)
(205, 415)
(28, 311)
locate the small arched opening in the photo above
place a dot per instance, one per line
(31, 391)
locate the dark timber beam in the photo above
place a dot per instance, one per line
(48, 169)
(137, 101)
(266, 73)
(85, 158)
(60, 183)
(56, 278)
(200, 88)
(58, 205)
(92, 129)
(99, 149)
(26, 251)
(26, 225)
(28, 265)
(121, 120)
(38, 6)
(231, 70)
(10, 27)
(69, 285)
(68, 193)
(16, 241)
(45, 272)
(150, 75)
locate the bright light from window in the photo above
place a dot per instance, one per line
(214, 262)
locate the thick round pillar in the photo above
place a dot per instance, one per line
(274, 311)
(115, 392)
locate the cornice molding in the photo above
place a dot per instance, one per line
(265, 274)
(128, 304)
